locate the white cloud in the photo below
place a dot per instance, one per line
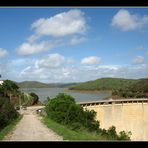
(77, 40)
(70, 61)
(32, 48)
(3, 52)
(109, 67)
(126, 21)
(138, 60)
(77, 74)
(62, 24)
(18, 62)
(33, 38)
(67, 28)
(4, 70)
(92, 60)
(52, 61)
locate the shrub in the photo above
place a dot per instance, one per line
(64, 110)
(7, 112)
(35, 98)
(76, 126)
(124, 136)
(57, 107)
(111, 132)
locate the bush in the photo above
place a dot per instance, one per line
(8, 87)
(7, 112)
(76, 126)
(35, 98)
(57, 107)
(111, 132)
(64, 110)
(124, 136)
(74, 114)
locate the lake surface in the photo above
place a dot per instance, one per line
(79, 97)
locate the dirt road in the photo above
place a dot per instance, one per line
(30, 128)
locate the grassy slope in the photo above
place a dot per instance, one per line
(105, 84)
(9, 128)
(69, 134)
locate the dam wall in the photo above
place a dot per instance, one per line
(128, 115)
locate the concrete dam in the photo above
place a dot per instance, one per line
(124, 114)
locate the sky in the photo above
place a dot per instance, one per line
(73, 44)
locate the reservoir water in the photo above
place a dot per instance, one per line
(43, 93)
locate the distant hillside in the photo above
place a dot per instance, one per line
(36, 84)
(141, 86)
(62, 85)
(105, 84)
(32, 84)
(121, 88)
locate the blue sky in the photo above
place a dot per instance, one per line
(73, 44)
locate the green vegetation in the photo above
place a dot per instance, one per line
(64, 110)
(35, 98)
(35, 84)
(9, 127)
(11, 97)
(7, 112)
(26, 99)
(32, 84)
(29, 99)
(125, 88)
(140, 86)
(137, 90)
(9, 88)
(69, 134)
(105, 84)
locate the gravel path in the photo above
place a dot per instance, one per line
(30, 128)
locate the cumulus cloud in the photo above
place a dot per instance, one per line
(66, 28)
(70, 61)
(3, 53)
(126, 21)
(4, 70)
(18, 62)
(52, 61)
(62, 24)
(92, 60)
(33, 48)
(28, 48)
(77, 40)
(21, 62)
(33, 38)
(81, 74)
(138, 60)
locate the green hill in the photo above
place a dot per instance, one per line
(121, 88)
(36, 84)
(32, 84)
(105, 84)
(140, 86)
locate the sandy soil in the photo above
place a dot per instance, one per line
(30, 128)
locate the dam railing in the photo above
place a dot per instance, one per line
(111, 101)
